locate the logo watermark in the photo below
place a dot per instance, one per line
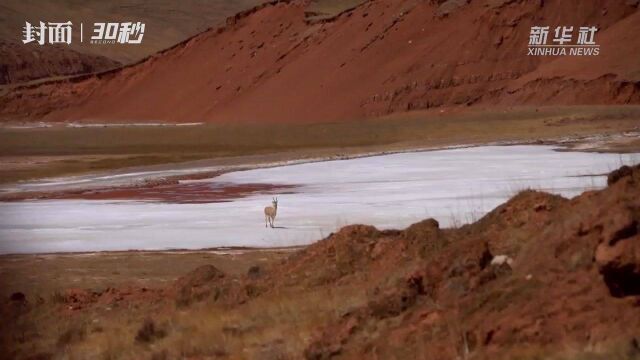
(562, 43)
(52, 33)
(121, 33)
(103, 33)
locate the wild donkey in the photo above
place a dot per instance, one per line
(270, 213)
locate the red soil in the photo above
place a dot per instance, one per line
(190, 193)
(570, 289)
(164, 191)
(270, 64)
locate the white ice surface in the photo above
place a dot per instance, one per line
(389, 191)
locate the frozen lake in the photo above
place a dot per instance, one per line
(388, 191)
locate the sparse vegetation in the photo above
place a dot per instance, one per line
(360, 292)
(150, 332)
(74, 334)
(47, 152)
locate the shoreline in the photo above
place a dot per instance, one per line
(150, 179)
(223, 250)
(207, 231)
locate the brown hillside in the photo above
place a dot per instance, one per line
(19, 64)
(167, 23)
(275, 63)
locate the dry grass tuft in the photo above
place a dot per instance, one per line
(149, 332)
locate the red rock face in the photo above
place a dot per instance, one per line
(271, 64)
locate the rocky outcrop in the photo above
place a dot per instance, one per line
(573, 261)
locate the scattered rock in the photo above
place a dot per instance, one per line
(425, 237)
(500, 260)
(422, 230)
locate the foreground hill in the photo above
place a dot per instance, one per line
(283, 62)
(539, 277)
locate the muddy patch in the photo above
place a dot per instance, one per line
(181, 193)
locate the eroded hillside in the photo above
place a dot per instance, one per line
(276, 63)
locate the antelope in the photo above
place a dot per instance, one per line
(270, 212)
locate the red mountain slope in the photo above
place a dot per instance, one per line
(270, 64)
